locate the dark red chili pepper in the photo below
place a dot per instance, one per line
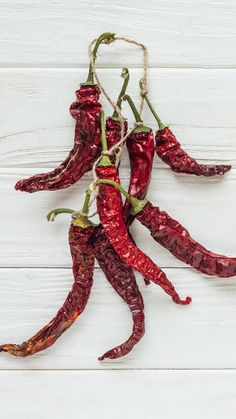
(109, 204)
(84, 152)
(174, 237)
(113, 135)
(86, 149)
(169, 150)
(83, 265)
(140, 145)
(122, 279)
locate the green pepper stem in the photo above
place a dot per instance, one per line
(133, 108)
(116, 185)
(52, 214)
(125, 76)
(85, 208)
(105, 37)
(137, 204)
(160, 123)
(105, 160)
(103, 132)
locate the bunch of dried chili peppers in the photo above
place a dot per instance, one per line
(98, 146)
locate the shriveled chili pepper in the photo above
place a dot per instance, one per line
(140, 145)
(122, 279)
(109, 205)
(86, 149)
(83, 258)
(176, 238)
(113, 135)
(170, 151)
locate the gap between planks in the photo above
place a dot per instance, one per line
(119, 369)
(105, 67)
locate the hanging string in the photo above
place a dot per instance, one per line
(117, 149)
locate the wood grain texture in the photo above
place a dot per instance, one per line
(139, 394)
(201, 335)
(177, 33)
(35, 106)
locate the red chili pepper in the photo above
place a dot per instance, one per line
(83, 266)
(169, 150)
(122, 279)
(174, 237)
(109, 204)
(86, 149)
(140, 145)
(113, 135)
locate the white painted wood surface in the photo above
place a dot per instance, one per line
(177, 32)
(192, 75)
(135, 394)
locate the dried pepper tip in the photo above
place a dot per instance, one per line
(137, 204)
(104, 38)
(144, 94)
(140, 126)
(105, 160)
(125, 76)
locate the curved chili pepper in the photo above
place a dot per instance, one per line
(83, 266)
(86, 149)
(122, 279)
(169, 150)
(174, 237)
(140, 145)
(109, 205)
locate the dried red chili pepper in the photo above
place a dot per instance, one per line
(83, 266)
(169, 150)
(140, 145)
(122, 279)
(174, 237)
(109, 205)
(113, 135)
(86, 149)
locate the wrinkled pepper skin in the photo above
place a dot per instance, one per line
(83, 266)
(113, 131)
(86, 149)
(141, 150)
(122, 279)
(169, 150)
(109, 205)
(174, 237)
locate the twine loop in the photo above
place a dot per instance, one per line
(117, 149)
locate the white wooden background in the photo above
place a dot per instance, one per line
(184, 367)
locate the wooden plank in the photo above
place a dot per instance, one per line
(206, 207)
(201, 335)
(199, 104)
(177, 33)
(149, 394)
